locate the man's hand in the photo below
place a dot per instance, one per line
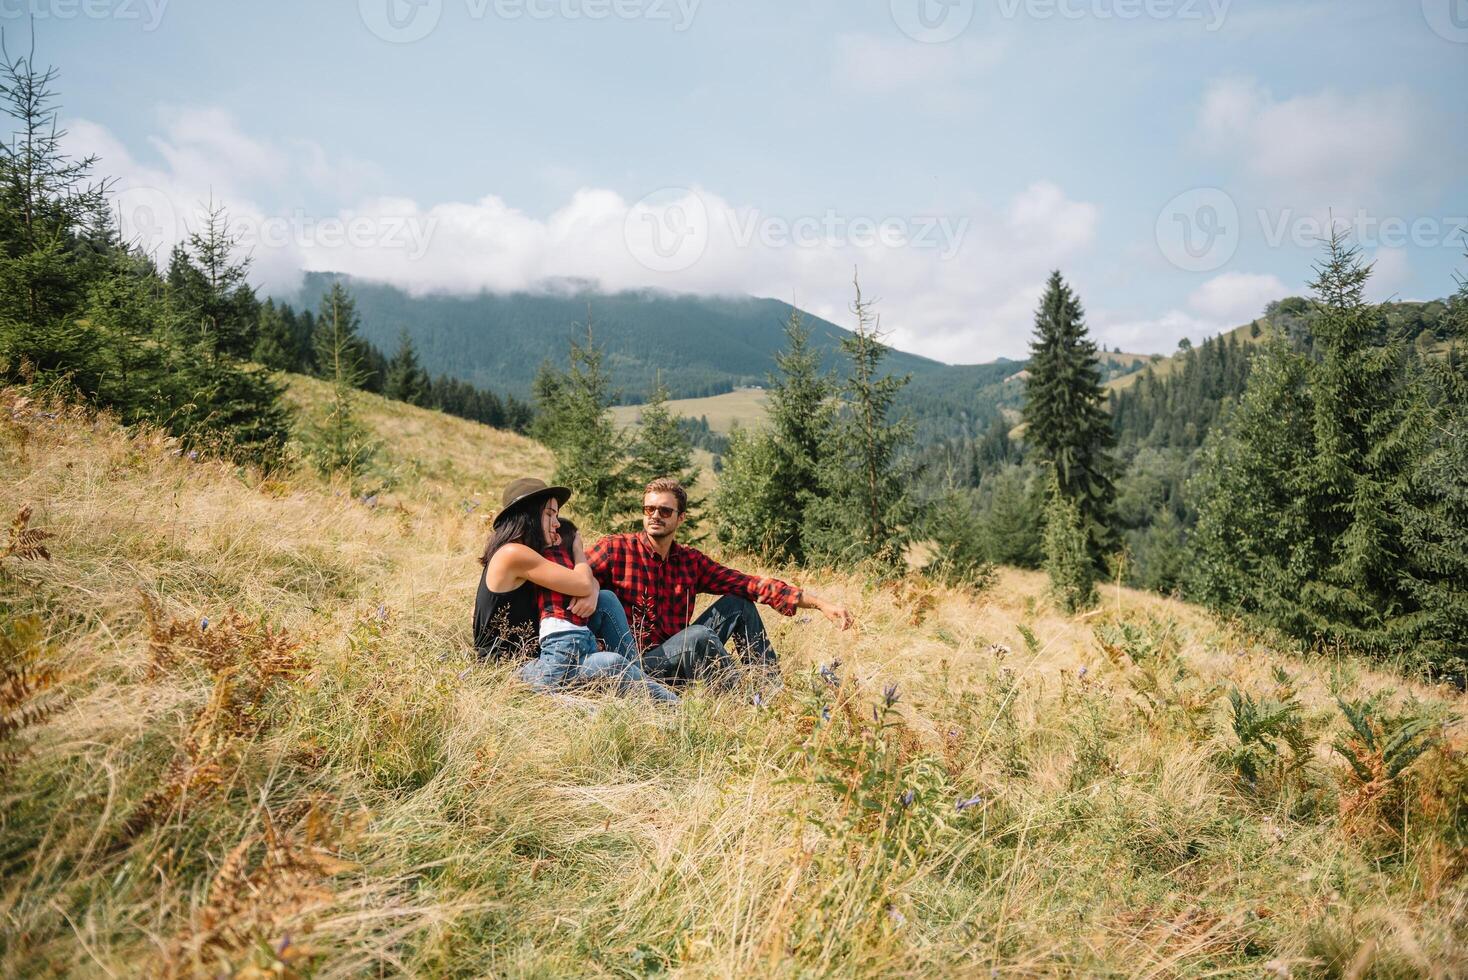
(584, 605)
(836, 614)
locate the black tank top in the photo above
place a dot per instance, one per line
(505, 623)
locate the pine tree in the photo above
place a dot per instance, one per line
(1065, 415)
(406, 379)
(1012, 517)
(340, 443)
(771, 479)
(1067, 551)
(865, 512)
(661, 448)
(209, 279)
(1253, 545)
(574, 421)
(275, 344)
(48, 201)
(750, 501)
(800, 419)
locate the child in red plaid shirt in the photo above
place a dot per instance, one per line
(568, 650)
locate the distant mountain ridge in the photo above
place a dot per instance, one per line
(700, 345)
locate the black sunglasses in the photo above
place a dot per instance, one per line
(658, 510)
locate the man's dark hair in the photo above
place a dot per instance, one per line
(666, 484)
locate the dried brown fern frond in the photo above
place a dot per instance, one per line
(29, 684)
(25, 541)
(257, 654)
(248, 662)
(265, 895)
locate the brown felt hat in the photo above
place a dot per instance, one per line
(527, 487)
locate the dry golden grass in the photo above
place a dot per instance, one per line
(745, 407)
(333, 786)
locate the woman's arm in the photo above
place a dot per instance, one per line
(525, 564)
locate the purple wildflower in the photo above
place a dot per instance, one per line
(828, 673)
(889, 695)
(203, 624)
(759, 702)
(1081, 673)
(370, 500)
(962, 805)
(908, 797)
(381, 611)
(825, 712)
(194, 455)
(875, 716)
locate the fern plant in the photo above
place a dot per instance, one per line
(1382, 747)
(28, 688)
(1263, 727)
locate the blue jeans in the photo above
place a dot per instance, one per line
(609, 624)
(571, 658)
(701, 652)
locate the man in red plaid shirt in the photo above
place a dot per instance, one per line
(658, 579)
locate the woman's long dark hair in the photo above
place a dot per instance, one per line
(518, 525)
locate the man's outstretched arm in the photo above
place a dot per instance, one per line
(836, 614)
(780, 596)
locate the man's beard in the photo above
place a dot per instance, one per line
(663, 532)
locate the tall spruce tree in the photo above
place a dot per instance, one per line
(1065, 415)
(865, 512)
(800, 420)
(406, 379)
(47, 202)
(573, 419)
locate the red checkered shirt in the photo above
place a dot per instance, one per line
(557, 604)
(658, 593)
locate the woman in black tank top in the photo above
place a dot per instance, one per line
(506, 624)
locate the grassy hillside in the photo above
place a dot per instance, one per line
(742, 406)
(320, 779)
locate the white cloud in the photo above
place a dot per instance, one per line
(1325, 149)
(1236, 297)
(958, 286)
(1226, 301)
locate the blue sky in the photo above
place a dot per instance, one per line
(1174, 158)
